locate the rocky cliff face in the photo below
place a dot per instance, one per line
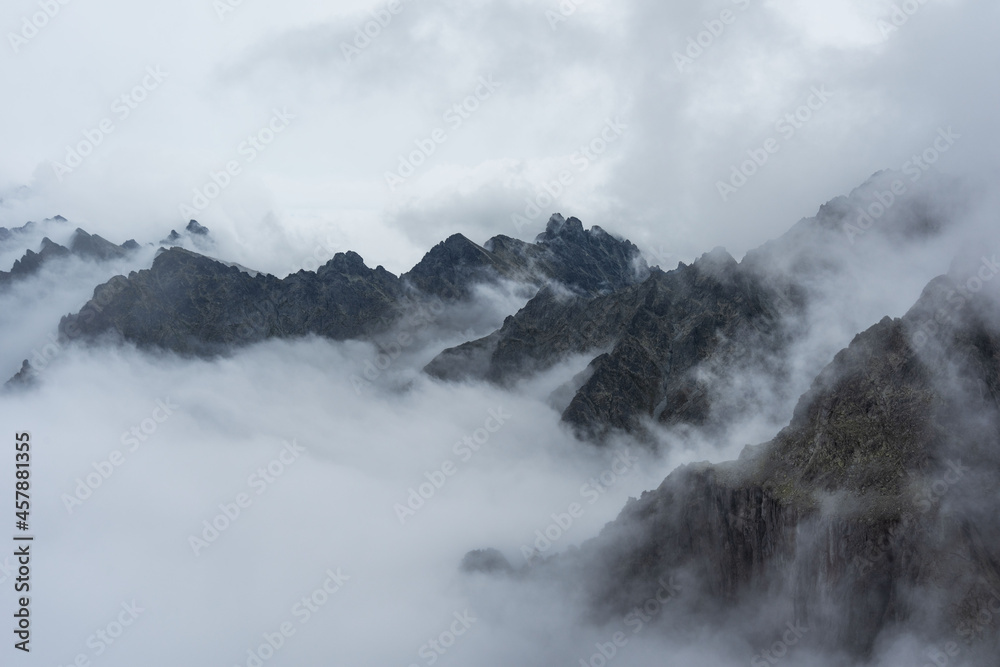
(648, 338)
(874, 510)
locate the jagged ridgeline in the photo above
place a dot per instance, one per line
(82, 245)
(870, 515)
(649, 333)
(190, 303)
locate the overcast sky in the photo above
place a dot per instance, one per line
(606, 75)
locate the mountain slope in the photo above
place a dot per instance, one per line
(649, 338)
(879, 496)
(663, 350)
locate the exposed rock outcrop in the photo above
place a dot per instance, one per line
(83, 245)
(873, 509)
(190, 303)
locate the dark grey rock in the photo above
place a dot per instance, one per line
(648, 339)
(194, 227)
(903, 430)
(190, 303)
(82, 244)
(488, 561)
(25, 378)
(92, 246)
(172, 238)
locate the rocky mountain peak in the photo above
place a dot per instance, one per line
(456, 249)
(559, 227)
(348, 263)
(359, 300)
(718, 264)
(197, 233)
(194, 227)
(454, 265)
(50, 246)
(95, 247)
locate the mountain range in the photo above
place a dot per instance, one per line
(872, 511)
